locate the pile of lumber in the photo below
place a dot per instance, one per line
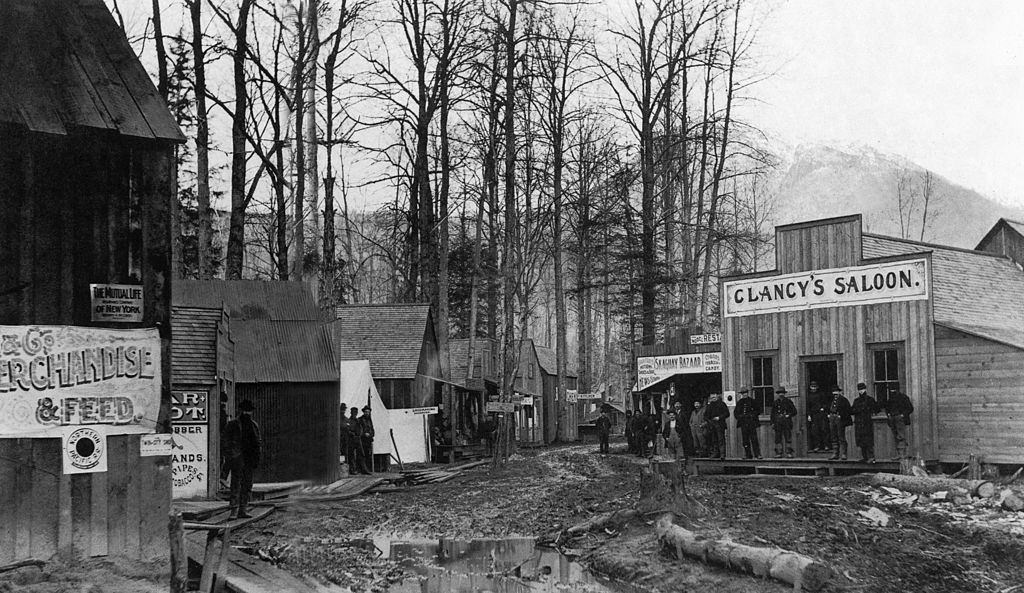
(433, 475)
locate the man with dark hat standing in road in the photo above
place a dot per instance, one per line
(242, 446)
(899, 408)
(604, 429)
(783, 412)
(864, 407)
(839, 418)
(366, 434)
(717, 413)
(747, 419)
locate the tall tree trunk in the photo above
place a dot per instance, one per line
(491, 185)
(236, 233)
(312, 184)
(561, 345)
(202, 142)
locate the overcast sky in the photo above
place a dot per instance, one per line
(939, 81)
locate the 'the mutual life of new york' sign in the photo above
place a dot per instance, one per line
(839, 287)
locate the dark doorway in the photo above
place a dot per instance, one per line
(823, 372)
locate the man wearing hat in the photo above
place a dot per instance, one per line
(817, 419)
(839, 418)
(783, 412)
(899, 408)
(864, 407)
(716, 414)
(356, 456)
(747, 421)
(242, 454)
(366, 434)
(697, 428)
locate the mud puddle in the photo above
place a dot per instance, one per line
(510, 565)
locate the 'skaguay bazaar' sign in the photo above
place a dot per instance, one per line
(838, 287)
(54, 377)
(652, 369)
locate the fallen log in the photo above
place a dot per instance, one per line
(803, 572)
(923, 485)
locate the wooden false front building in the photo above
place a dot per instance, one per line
(86, 188)
(942, 324)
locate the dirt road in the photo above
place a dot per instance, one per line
(538, 492)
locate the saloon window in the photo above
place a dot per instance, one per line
(762, 381)
(887, 369)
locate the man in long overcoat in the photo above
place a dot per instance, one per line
(242, 447)
(864, 407)
(366, 434)
(783, 412)
(717, 414)
(747, 420)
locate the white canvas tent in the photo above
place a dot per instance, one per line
(410, 429)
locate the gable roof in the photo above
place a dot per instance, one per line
(972, 289)
(283, 352)
(458, 353)
(66, 64)
(548, 360)
(389, 336)
(1013, 225)
(249, 299)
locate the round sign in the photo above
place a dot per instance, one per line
(84, 448)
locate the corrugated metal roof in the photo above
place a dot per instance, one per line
(66, 64)
(389, 336)
(249, 299)
(194, 345)
(971, 289)
(283, 352)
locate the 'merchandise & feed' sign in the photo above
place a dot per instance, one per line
(55, 377)
(861, 285)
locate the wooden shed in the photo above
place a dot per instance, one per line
(547, 361)
(1005, 238)
(400, 344)
(285, 364)
(943, 324)
(86, 187)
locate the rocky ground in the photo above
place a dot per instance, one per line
(922, 546)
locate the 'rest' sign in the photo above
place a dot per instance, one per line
(838, 287)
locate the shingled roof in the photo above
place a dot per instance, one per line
(65, 64)
(389, 336)
(283, 352)
(976, 292)
(549, 361)
(249, 299)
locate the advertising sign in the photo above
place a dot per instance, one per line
(189, 406)
(84, 450)
(507, 407)
(189, 460)
(423, 411)
(652, 369)
(839, 287)
(55, 377)
(526, 400)
(120, 303)
(155, 445)
(714, 338)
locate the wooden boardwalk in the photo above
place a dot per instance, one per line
(814, 466)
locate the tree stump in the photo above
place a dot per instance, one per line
(663, 489)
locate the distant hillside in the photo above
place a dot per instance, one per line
(816, 181)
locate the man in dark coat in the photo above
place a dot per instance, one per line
(899, 408)
(681, 417)
(697, 429)
(747, 420)
(783, 412)
(242, 447)
(366, 434)
(839, 417)
(641, 429)
(864, 407)
(717, 414)
(604, 429)
(345, 435)
(630, 444)
(817, 419)
(357, 463)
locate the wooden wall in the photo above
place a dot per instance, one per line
(80, 210)
(1004, 241)
(843, 332)
(980, 398)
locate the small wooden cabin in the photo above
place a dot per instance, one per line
(87, 192)
(1006, 238)
(529, 386)
(467, 410)
(945, 325)
(547, 361)
(400, 344)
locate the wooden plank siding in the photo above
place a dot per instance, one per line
(71, 195)
(980, 397)
(845, 333)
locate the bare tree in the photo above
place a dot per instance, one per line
(236, 234)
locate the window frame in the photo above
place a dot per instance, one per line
(760, 392)
(899, 347)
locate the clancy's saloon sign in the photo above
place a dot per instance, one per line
(838, 287)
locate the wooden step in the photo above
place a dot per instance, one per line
(787, 470)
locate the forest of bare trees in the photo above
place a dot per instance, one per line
(574, 173)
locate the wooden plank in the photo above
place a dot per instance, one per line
(98, 545)
(46, 462)
(9, 462)
(134, 503)
(81, 511)
(23, 83)
(117, 489)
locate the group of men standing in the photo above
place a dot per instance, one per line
(701, 431)
(357, 440)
